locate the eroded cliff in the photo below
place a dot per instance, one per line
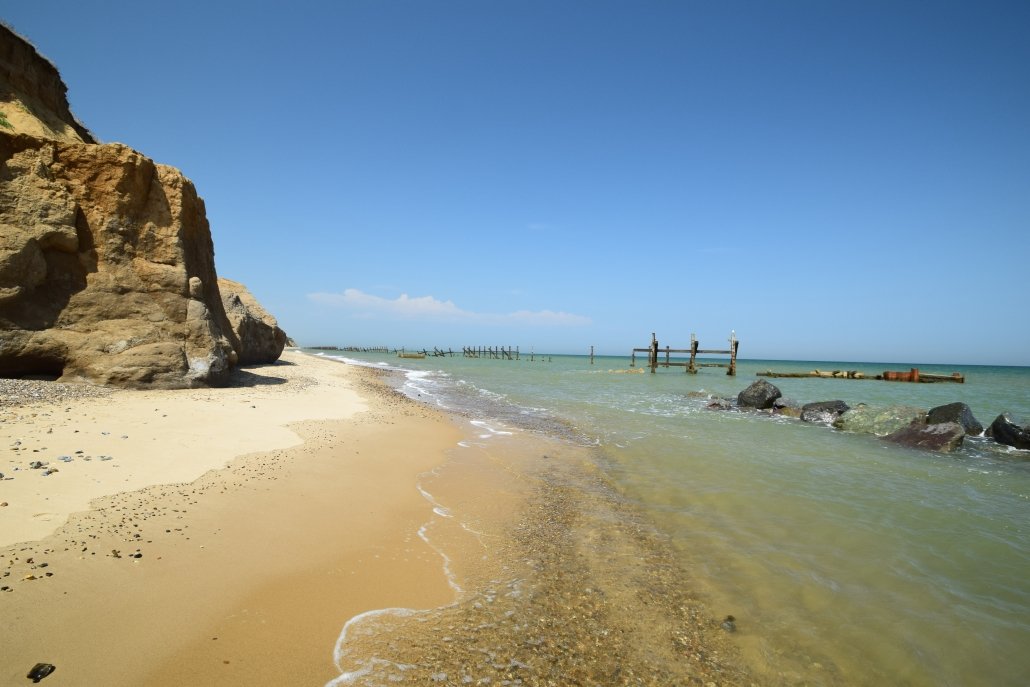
(107, 269)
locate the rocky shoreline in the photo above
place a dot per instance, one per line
(942, 428)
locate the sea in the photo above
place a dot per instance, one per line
(842, 558)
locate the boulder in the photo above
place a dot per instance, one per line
(955, 412)
(941, 436)
(879, 421)
(823, 411)
(1009, 431)
(258, 336)
(759, 395)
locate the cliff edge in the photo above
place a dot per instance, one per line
(33, 97)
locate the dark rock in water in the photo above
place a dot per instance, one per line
(787, 407)
(787, 411)
(40, 671)
(729, 624)
(955, 412)
(1006, 430)
(759, 395)
(719, 404)
(943, 436)
(823, 411)
(878, 420)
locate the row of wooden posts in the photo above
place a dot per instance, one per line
(654, 352)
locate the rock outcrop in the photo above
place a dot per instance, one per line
(107, 269)
(260, 340)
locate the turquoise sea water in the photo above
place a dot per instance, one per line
(838, 554)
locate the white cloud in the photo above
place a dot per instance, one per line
(404, 307)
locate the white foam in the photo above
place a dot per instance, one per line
(491, 432)
(452, 581)
(438, 507)
(348, 677)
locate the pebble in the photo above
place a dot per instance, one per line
(40, 671)
(15, 392)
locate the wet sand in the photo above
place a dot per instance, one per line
(515, 560)
(246, 574)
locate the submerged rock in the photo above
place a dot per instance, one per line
(1009, 431)
(823, 411)
(759, 395)
(955, 412)
(879, 421)
(941, 436)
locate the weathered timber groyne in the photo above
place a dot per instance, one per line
(691, 365)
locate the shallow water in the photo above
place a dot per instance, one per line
(845, 560)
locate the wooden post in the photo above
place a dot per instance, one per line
(591, 355)
(653, 355)
(732, 372)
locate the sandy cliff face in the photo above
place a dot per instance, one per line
(33, 97)
(107, 267)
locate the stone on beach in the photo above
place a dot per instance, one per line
(956, 412)
(760, 395)
(1009, 431)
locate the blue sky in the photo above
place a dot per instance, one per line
(832, 180)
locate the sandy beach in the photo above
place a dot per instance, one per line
(228, 536)
(215, 536)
